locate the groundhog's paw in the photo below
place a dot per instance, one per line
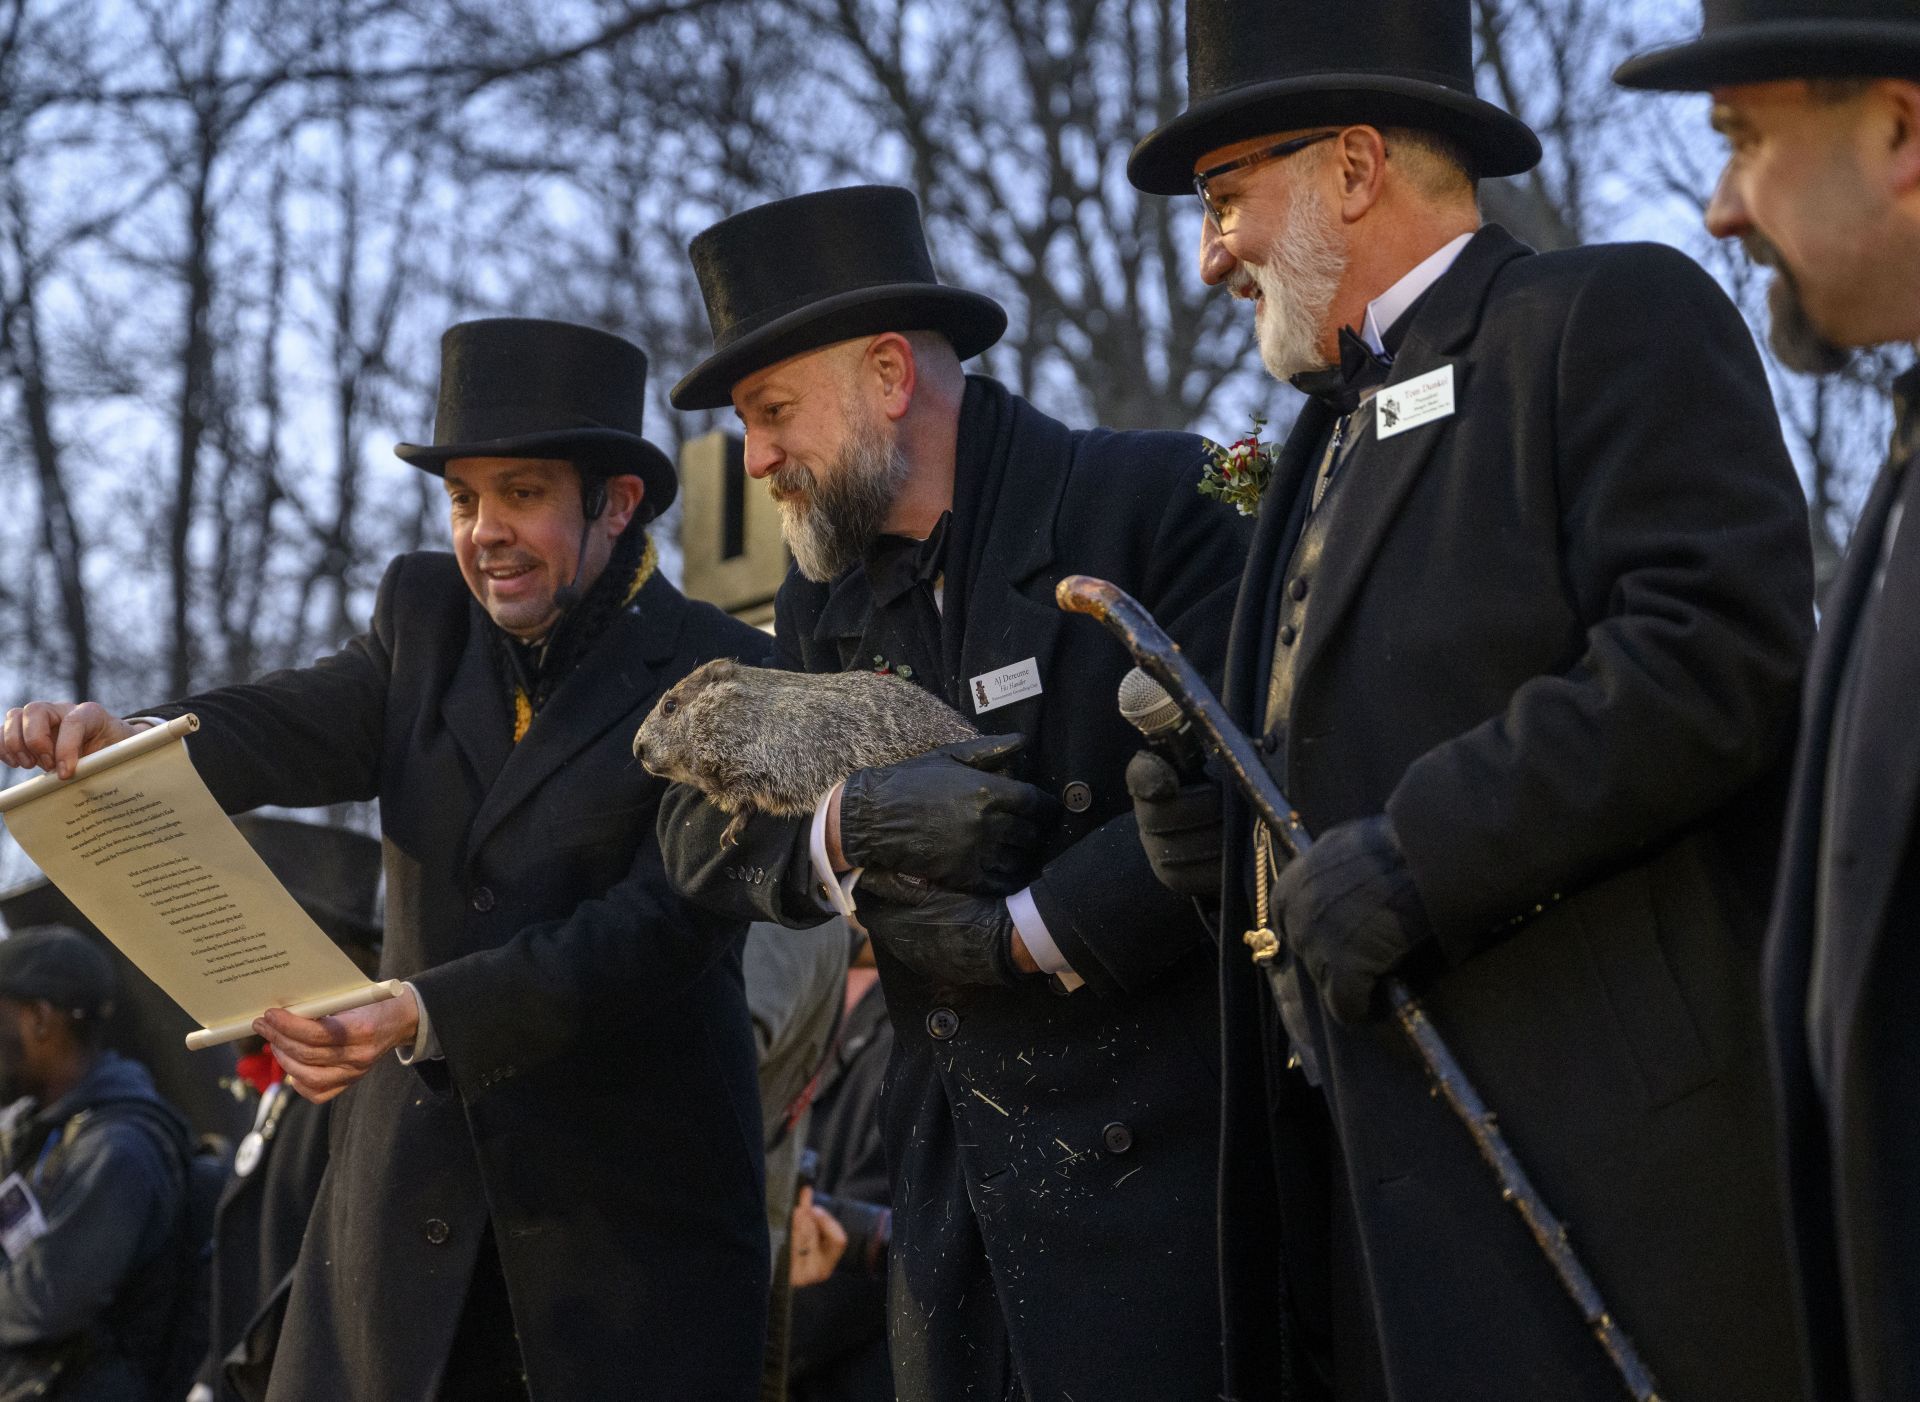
(730, 835)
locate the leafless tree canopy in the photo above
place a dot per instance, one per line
(231, 232)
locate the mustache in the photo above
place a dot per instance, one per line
(485, 561)
(793, 480)
(1761, 252)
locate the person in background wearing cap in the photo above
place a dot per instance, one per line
(546, 1171)
(1820, 108)
(1051, 1109)
(93, 1183)
(1521, 635)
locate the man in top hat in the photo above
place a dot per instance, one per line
(545, 1174)
(1820, 106)
(1051, 1109)
(1521, 634)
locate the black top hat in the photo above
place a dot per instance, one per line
(1260, 66)
(514, 388)
(1760, 41)
(799, 274)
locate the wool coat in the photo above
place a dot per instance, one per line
(1052, 1156)
(596, 1106)
(1841, 986)
(1556, 636)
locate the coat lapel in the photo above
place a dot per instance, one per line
(1379, 474)
(608, 686)
(1874, 822)
(475, 707)
(1276, 531)
(1002, 624)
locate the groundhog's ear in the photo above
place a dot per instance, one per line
(722, 669)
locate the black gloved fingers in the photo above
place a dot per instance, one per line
(983, 751)
(1150, 779)
(895, 887)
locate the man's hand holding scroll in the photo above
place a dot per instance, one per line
(323, 1056)
(55, 735)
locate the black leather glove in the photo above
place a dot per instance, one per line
(943, 817)
(947, 936)
(1349, 911)
(1180, 828)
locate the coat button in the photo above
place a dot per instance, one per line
(1077, 796)
(483, 899)
(1287, 635)
(1117, 1137)
(1270, 742)
(437, 1231)
(942, 1023)
(1298, 589)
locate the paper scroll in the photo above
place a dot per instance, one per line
(138, 844)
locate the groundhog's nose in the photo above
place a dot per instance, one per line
(640, 748)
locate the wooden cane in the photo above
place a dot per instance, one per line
(1160, 658)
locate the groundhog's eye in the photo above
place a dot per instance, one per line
(669, 706)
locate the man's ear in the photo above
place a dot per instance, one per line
(893, 374)
(1360, 164)
(624, 495)
(1903, 153)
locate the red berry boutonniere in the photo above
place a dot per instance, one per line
(1238, 473)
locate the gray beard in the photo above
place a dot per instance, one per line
(834, 518)
(1795, 339)
(1297, 279)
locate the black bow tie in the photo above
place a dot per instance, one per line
(1340, 387)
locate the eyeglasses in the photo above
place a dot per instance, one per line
(1252, 158)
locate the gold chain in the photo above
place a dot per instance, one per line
(1266, 869)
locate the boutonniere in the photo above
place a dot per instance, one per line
(1238, 473)
(887, 669)
(253, 1074)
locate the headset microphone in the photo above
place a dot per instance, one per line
(593, 501)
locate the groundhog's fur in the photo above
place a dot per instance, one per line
(761, 740)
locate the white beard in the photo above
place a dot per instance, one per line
(830, 519)
(1297, 279)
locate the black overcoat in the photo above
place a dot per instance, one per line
(1557, 637)
(597, 1101)
(1052, 1157)
(1853, 1151)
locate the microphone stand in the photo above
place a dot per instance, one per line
(1160, 658)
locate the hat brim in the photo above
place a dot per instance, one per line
(1770, 51)
(1498, 142)
(969, 320)
(604, 447)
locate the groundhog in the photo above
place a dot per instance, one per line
(760, 740)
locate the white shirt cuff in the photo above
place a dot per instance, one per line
(1039, 943)
(426, 1046)
(833, 891)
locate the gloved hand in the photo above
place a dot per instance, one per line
(943, 817)
(1180, 828)
(1349, 911)
(948, 936)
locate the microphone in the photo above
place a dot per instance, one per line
(1147, 707)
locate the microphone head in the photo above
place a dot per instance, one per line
(565, 597)
(1146, 705)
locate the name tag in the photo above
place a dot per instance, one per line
(992, 690)
(1413, 402)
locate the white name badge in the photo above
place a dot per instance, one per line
(1413, 402)
(992, 690)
